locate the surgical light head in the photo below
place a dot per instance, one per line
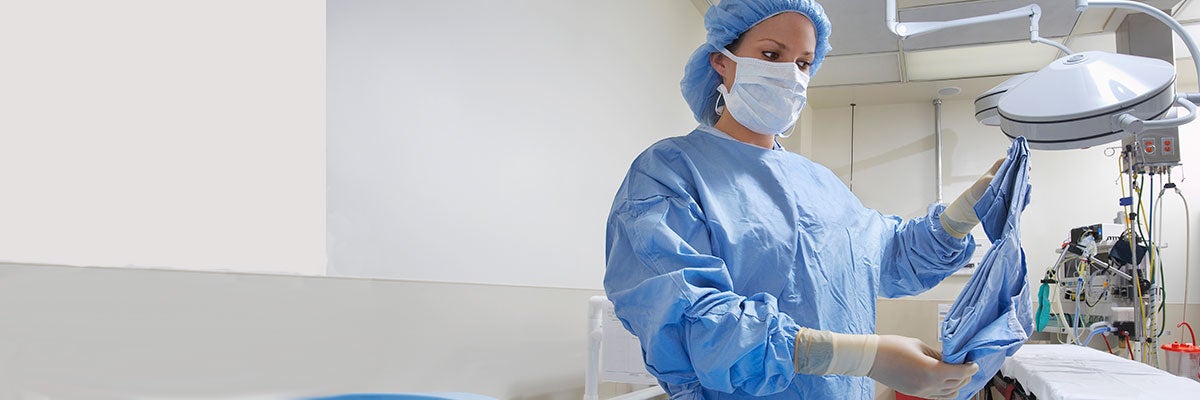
(1079, 100)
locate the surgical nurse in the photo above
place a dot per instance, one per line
(747, 271)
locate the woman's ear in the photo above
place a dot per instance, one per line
(720, 63)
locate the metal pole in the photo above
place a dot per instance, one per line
(852, 105)
(937, 134)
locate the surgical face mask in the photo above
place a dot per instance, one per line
(766, 96)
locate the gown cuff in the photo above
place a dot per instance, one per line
(830, 353)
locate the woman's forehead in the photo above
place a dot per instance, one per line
(788, 28)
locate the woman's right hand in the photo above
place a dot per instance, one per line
(912, 367)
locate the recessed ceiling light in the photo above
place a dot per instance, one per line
(949, 91)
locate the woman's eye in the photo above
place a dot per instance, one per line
(770, 55)
(804, 65)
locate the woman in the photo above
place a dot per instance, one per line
(749, 271)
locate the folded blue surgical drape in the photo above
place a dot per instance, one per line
(993, 315)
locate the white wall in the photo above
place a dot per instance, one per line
(191, 134)
(163, 134)
(484, 141)
(105, 334)
(894, 173)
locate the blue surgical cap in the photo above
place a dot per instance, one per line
(727, 21)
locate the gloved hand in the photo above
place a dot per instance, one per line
(905, 364)
(912, 367)
(958, 219)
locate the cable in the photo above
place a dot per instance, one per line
(1149, 222)
(1080, 272)
(1186, 267)
(1121, 172)
(1129, 345)
(1162, 328)
(1188, 254)
(1157, 275)
(1137, 280)
(1134, 226)
(1140, 209)
(1098, 298)
(1149, 355)
(1062, 319)
(1074, 328)
(1054, 294)
(1096, 329)
(1105, 337)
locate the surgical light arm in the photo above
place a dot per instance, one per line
(910, 29)
(1130, 123)
(1186, 100)
(1081, 5)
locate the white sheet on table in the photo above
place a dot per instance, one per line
(1069, 372)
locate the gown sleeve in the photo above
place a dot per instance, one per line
(678, 299)
(918, 254)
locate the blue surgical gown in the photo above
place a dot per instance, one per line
(719, 251)
(993, 315)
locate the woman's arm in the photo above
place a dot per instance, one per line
(919, 253)
(679, 301)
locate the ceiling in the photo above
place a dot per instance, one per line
(869, 64)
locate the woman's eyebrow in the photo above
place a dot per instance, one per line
(780, 44)
(784, 46)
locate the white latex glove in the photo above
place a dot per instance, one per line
(825, 353)
(902, 363)
(958, 219)
(912, 367)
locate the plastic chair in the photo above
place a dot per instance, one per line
(622, 355)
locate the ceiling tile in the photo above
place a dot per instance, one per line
(1093, 20)
(1118, 15)
(1106, 41)
(1058, 16)
(1185, 75)
(1180, 49)
(858, 27)
(858, 69)
(1189, 12)
(1167, 5)
(974, 61)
